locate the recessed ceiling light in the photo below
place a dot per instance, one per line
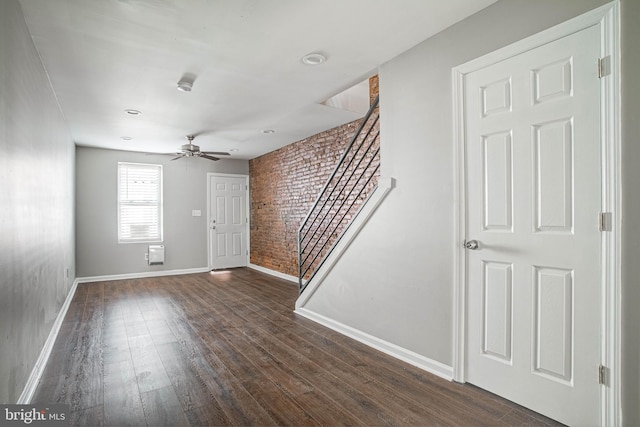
(126, 138)
(185, 86)
(233, 150)
(133, 112)
(314, 59)
(268, 131)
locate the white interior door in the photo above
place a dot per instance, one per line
(533, 173)
(228, 222)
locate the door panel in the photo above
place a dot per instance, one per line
(498, 178)
(221, 247)
(237, 239)
(533, 198)
(553, 332)
(497, 313)
(553, 169)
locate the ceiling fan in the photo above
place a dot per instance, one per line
(192, 150)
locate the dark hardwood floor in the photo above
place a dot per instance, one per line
(227, 349)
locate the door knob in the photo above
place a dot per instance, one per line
(471, 244)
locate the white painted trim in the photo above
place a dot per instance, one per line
(384, 187)
(607, 17)
(274, 273)
(611, 348)
(432, 366)
(141, 275)
(247, 209)
(460, 230)
(41, 363)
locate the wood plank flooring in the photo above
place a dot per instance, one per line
(226, 348)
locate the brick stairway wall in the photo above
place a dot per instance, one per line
(284, 185)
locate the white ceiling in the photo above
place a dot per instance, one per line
(105, 56)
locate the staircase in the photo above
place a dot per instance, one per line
(352, 181)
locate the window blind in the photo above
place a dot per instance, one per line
(139, 203)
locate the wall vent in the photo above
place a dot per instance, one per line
(156, 254)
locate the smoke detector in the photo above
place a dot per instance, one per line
(185, 86)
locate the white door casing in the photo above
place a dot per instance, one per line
(228, 222)
(535, 169)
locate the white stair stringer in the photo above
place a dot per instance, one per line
(383, 187)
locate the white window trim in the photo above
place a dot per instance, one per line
(160, 206)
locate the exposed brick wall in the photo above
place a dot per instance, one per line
(345, 193)
(373, 88)
(284, 185)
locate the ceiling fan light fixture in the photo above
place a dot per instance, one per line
(191, 150)
(185, 86)
(314, 59)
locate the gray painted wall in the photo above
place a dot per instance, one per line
(37, 162)
(184, 189)
(401, 264)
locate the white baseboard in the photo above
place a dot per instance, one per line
(432, 366)
(274, 273)
(141, 275)
(41, 363)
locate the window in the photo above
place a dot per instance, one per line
(139, 203)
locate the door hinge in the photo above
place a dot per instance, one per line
(604, 66)
(604, 221)
(602, 375)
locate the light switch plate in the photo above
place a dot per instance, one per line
(196, 212)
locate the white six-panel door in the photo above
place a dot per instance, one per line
(227, 222)
(533, 200)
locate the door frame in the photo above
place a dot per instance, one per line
(607, 18)
(247, 210)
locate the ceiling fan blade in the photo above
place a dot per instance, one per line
(209, 157)
(180, 155)
(202, 132)
(216, 153)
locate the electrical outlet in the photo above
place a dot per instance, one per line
(66, 272)
(146, 256)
